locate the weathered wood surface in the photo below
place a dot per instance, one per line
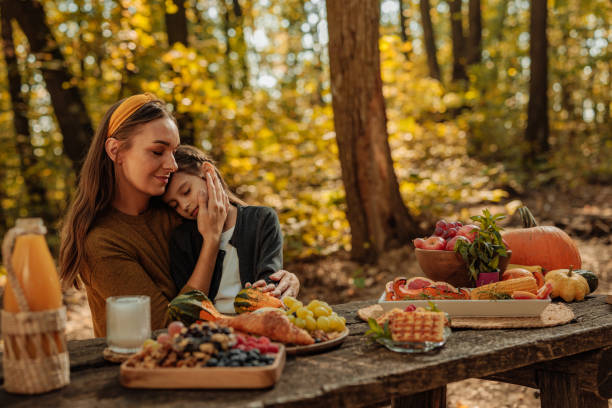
(356, 374)
(593, 370)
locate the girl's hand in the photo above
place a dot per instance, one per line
(212, 209)
(261, 285)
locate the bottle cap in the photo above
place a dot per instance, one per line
(31, 225)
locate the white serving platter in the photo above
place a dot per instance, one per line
(475, 308)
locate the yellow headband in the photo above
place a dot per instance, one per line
(126, 109)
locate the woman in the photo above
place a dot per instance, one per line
(115, 236)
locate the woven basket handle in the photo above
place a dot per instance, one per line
(24, 226)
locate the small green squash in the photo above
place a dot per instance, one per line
(590, 277)
(250, 299)
(187, 307)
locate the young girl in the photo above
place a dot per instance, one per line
(251, 246)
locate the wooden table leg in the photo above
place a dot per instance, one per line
(435, 398)
(558, 390)
(590, 400)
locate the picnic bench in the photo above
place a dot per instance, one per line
(571, 365)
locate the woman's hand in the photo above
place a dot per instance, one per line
(288, 284)
(212, 208)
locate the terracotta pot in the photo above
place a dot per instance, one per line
(448, 266)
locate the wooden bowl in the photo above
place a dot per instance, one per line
(448, 266)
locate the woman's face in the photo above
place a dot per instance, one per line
(144, 168)
(182, 194)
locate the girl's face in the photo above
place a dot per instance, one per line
(144, 168)
(182, 193)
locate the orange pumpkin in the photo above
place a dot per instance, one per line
(547, 246)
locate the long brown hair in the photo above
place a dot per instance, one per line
(96, 188)
(189, 159)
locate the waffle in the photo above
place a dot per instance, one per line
(417, 326)
(381, 320)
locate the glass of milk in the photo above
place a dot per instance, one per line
(128, 322)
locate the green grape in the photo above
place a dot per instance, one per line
(313, 305)
(294, 308)
(292, 318)
(323, 323)
(299, 322)
(311, 323)
(289, 301)
(335, 323)
(320, 311)
(303, 312)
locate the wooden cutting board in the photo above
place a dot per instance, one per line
(206, 377)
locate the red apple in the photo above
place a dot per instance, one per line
(419, 243)
(434, 243)
(469, 231)
(450, 244)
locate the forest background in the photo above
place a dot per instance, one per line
(487, 104)
(250, 84)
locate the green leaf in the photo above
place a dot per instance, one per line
(482, 255)
(374, 325)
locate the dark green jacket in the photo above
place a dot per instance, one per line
(257, 238)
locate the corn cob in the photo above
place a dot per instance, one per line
(500, 289)
(530, 268)
(417, 326)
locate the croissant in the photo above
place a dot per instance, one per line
(273, 324)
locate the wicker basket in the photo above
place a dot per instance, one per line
(35, 356)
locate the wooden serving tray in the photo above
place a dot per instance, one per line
(207, 377)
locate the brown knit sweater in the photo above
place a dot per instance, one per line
(129, 255)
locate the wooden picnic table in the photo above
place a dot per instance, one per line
(570, 364)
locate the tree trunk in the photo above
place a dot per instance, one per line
(377, 215)
(430, 41)
(537, 109)
(475, 33)
(176, 24)
(241, 44)
(229, 67)
(36, 191)
(68, 105)
(403, 26)
(176, 28)
(458, 40)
